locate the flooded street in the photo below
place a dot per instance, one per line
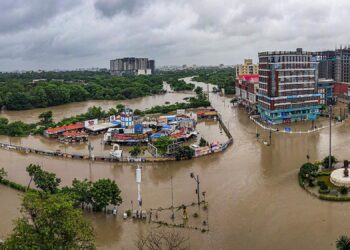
(254, 198)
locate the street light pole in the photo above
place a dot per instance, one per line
(197, 190)
(172, 199)
(330, 137)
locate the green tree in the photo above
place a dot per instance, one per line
(307, 169)
(325, 161)
(184, 152)
(135, 151)
(162, 144)
(198, 90)
(38, 97)
(203, 142)
(105, 192)
(18, 128)
(44, 180)
(3, 173)
(46, 118)
(343, 243)
(32, 169)
(50, 222)
(17, 101)
(120, 107)
(82, 191)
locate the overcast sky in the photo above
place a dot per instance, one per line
(69, 34)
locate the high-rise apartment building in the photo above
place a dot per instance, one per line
(342, 65)
(326, 66)
(287, 86)
(132, 66)
(334, 64)
(247, 68)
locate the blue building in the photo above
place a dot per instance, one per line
(325, 89)
(287, 86)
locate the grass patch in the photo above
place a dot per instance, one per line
(326, 180)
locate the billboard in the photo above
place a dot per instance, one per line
(90, 122)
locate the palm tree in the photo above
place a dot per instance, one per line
(343, 243)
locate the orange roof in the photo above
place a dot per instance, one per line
(74, 134)
(65, 128)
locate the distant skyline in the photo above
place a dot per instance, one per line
(66, 34)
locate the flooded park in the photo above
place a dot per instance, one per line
(254, 198)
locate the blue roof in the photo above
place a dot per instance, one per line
(166, 127)
(156, 136)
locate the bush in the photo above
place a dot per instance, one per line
(322, 184)
(343, 190)
(324, 191)
(13, 185)
(334, 198)
(307, 169)
(325, 161)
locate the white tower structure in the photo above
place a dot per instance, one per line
(139, 199)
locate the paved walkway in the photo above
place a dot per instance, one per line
(254, 119)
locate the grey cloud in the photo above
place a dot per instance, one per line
(17, 15)
(110, 8)
(67, 33)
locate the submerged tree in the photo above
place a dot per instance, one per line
(160, 239)
(135, 151)
(343, 243)
(325, 161)
(105, 192)
(44, 180)
(3, 173)
(50, 221)
(46, 118)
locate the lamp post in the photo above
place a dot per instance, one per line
(330, 137)
(90, 148)
(196, 178)
(172, 200)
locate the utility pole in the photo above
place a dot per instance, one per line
(330, 137)
(270, 137)
(90, 148)
(139, 198)
(208, 90)
(196, 178)
(172, 199)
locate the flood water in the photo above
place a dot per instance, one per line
(254, 198)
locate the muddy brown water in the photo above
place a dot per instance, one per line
(254, 198)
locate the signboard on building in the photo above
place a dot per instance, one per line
(90, 122)
(180, 111)
(112, 118)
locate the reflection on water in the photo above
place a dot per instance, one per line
(254, 198)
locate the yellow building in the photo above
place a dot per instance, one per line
(247, 68)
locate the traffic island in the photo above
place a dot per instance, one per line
(324, 183)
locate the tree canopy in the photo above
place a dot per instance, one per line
(43, 180)
(50, 221)
(19, 91)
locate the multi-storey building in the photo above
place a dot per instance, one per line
(325, 89)
(326, 66)
(247, 68)
(342, 65)
(334, 64)
(246, 89)
(132, 66)
(287, 86)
